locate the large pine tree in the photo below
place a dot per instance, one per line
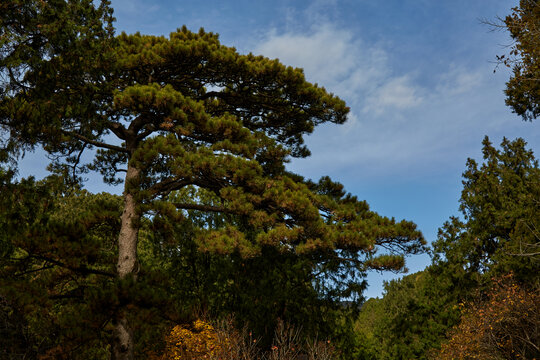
(159, 114)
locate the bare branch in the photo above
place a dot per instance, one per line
(45, 267)
(78, 160)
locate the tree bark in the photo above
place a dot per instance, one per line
(127, 266)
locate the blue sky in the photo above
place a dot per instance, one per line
(417, 74)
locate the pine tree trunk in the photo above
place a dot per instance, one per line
(127, 266)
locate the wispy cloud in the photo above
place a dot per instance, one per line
(458, 80)
(332, 57)
(328, 55)
(398, 93)
(398, 124)
(320, 11)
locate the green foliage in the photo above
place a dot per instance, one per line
(48, 47)
(57, 275)
(496, 236)
(180, 113)
(499, 203)
(58, 286)
(232, 141)
(304, 290)
(411, 318)
(523, 88)
(367, 344)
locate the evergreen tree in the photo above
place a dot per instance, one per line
(56, 268)
(306, 291)
(523, 88)
(412, 317)
(496, 235)
(181, 111)
(499, 203)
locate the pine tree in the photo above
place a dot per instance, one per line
(499, 203)
(57, 280)
(181, 111)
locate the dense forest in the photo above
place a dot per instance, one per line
(214, 249)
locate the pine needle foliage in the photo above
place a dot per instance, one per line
(159, 114)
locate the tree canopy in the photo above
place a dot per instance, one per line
(523, 88)
(164, 114)
(494, 244)
(499, 203)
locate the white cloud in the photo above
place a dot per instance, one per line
(345, 65)
(458, 80)
(400, 124)
(399, 93)
(324, 54)
(332, 57)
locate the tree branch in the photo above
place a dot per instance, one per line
(118, 130)
(169, 185)
(210, 94)
(211, 208)
(81, 269)
(151, 128)
(137, 124)
(45, 267)
(77, 161)
(95, 143)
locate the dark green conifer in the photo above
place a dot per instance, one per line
(165, 113)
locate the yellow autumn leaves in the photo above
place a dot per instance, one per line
(200, 342)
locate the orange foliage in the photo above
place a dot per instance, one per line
(504, 325)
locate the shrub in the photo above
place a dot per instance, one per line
(502, 325)
(200, 341)
(222, 341)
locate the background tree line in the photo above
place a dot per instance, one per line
(479, 298)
